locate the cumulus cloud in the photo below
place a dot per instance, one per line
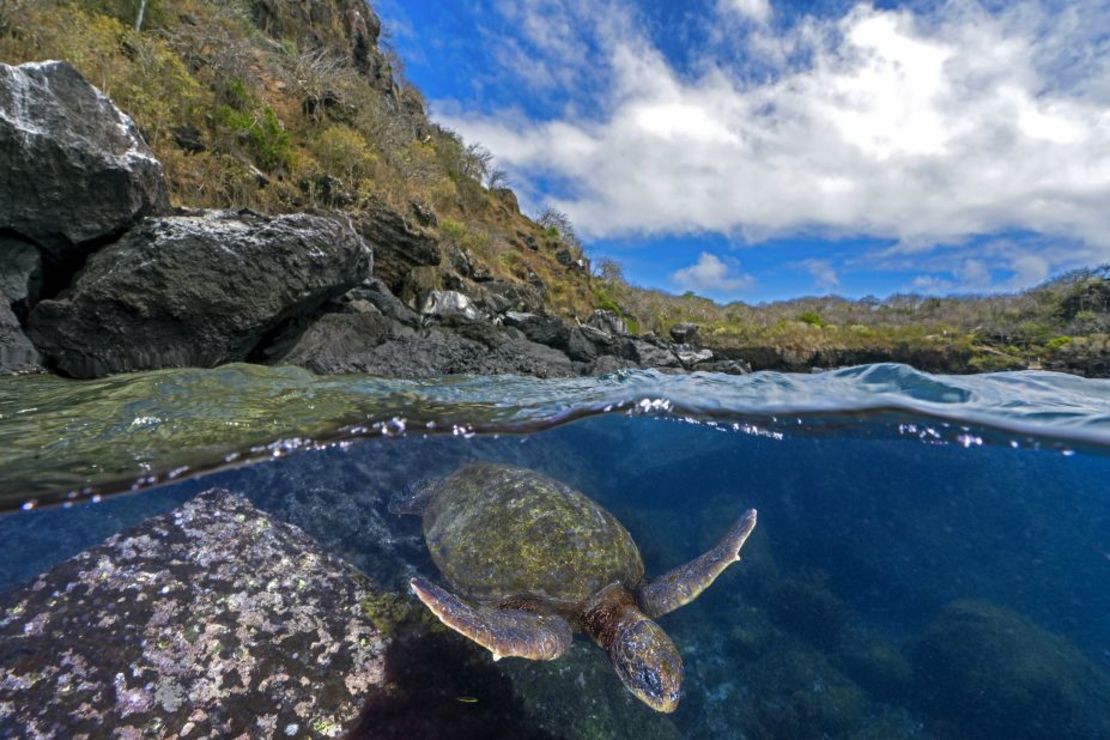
(924, 128)
(711, 274)
(823, 273)
(757, 10)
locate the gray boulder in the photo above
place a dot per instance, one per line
(214, 620)
(549, 330)
(17, 354)
(685, 333)
(20, 270)
(377, 293)
(399, 244)
(196, 290)
(371, 343)
(450, 304)
(75, 168)
(608, 322)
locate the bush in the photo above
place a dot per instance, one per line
(344, 153)
(810, 317)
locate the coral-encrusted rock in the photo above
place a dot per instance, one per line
(74, 168)
(196, 291)
(211, 621)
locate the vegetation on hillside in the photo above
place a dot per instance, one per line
(280, 105)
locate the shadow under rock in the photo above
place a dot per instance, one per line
(437, 687)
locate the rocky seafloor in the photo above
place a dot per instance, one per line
(279, 597)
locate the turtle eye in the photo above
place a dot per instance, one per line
(651, 681)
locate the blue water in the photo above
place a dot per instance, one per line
(932, 557)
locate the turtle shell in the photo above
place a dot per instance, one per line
(497, 532)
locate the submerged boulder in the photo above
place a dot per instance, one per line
(196, 290)
(211, 621)
(75, 168)
(990, 673)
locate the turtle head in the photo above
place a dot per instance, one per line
(648, 663)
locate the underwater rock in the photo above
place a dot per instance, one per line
(213, 620)
(196, 290)
(987, 671)
(75, 167)
(17, 354)
(806, 607)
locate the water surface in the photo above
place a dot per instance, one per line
(932, 557)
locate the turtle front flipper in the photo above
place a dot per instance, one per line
(504, 632)
(683, 584)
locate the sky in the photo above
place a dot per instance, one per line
(762, 149)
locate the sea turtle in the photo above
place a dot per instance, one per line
(530, 561)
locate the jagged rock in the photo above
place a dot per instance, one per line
(20, 270)
(17, 354)
(196, 290)
(685, 333)
(444, 304)
(399, 245)
(75, 168)
(369, 343)
(690, 356)
(211, 621)
(609, 363)
(608, 322)
(649, 355)
(547, 330)
(460, 260)
(579, 347)
(502, 295)
(377, 294)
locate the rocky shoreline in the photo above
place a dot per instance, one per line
(101, 276)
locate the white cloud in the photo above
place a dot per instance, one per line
(926, 129)
(824, 274)
(712, 275)
(757, 10)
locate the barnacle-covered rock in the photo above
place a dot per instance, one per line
(211, 621)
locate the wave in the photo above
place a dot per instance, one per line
(64, 440)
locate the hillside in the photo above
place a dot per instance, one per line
(280, 106)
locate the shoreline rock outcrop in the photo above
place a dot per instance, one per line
(196, 290)
(75, 168)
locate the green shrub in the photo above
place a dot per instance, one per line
(343, 152)
(810, 317)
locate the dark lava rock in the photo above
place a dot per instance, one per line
(20, 270)
(448, 304)
(17, 354)
(377, 293)
(990, 673)
(608, 322)
(548, 330)
(685, 333)
(399, 245)
(369, 343)
(650, 355)
(196, 290)
(211, 621)
(500, 296)
(75, 169)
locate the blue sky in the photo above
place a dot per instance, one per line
(754, 149)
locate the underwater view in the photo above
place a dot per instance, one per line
(931, 557)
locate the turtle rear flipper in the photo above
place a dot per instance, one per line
(682, 585)
(504, 632)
